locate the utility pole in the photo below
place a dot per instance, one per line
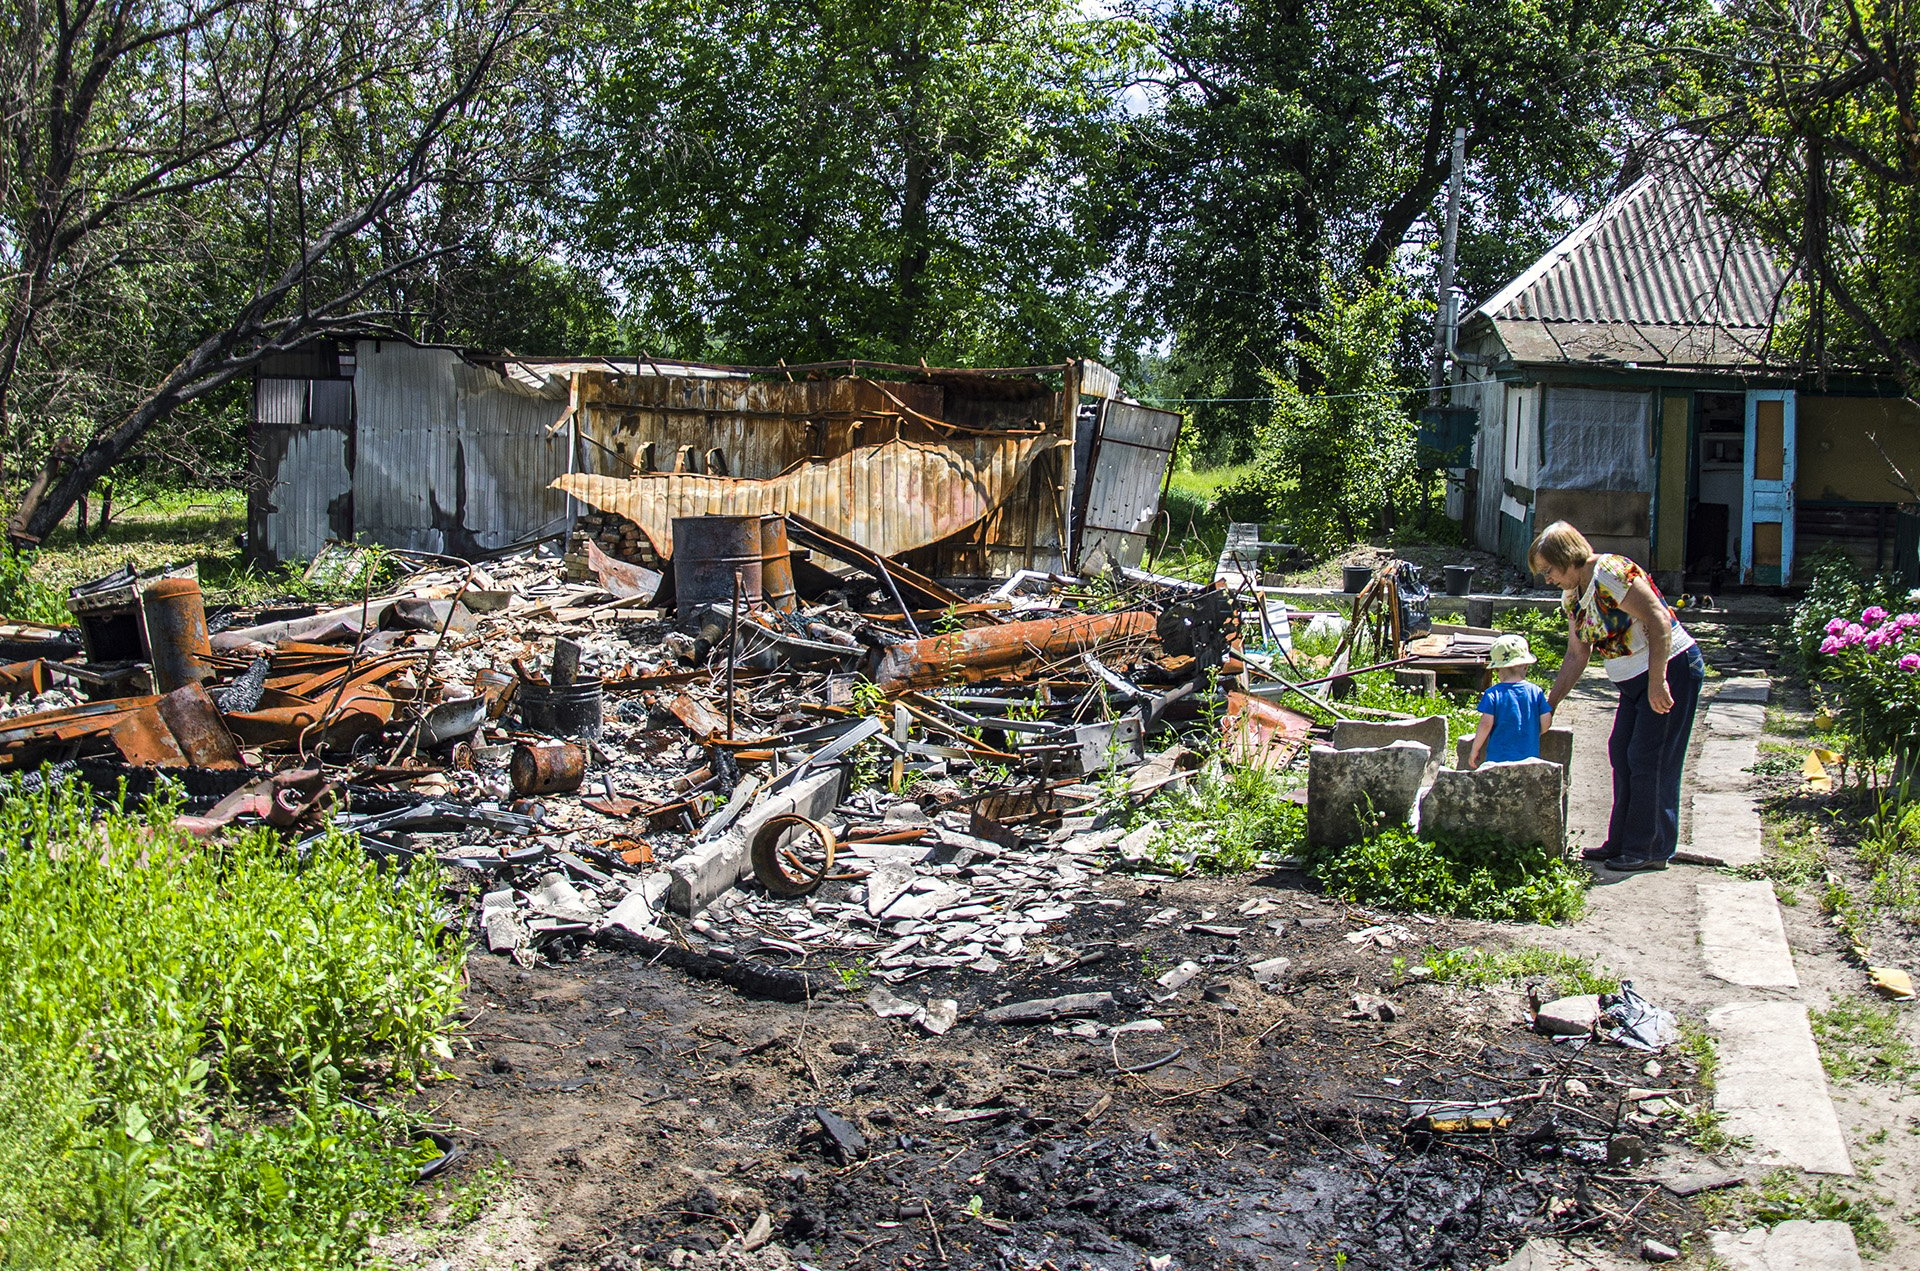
(1443, 317)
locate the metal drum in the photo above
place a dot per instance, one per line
(573, 711)
(176, 619)
(547, 767)
(776, 563)
(707, 552)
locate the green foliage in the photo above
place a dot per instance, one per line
(1229, 819)
(1340, 435)
(181, 1020)
(1480, 878)
(1474, 967)
(840, 179)
(1890, 851)
(1546, 633)
(24, 595)
(1860, 1040)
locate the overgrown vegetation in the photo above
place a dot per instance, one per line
(183, 1025)
(1229, 819)
(24, 595)
(1546, 633)
(1474, 967)
(1484, 878)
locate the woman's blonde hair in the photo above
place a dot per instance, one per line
(1559, 546)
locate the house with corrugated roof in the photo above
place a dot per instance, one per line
(1633, 381)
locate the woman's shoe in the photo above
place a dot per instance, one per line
(1601, 853)
(1628, 864)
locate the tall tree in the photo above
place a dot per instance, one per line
(833, 178)
(1288, 134)
(1824, 128)
(189, 185)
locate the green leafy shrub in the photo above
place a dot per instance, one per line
(1231, 818)
(1472, 878)
(24, 596)
(180, 1021)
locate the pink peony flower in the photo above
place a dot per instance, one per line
(1875, 640)
(1832, 644)
(1836, 626)
(1910, 663)
(1873, 615)
(1854, 633)
(1907, 621)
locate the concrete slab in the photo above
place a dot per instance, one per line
(712, 868)
(1742, 939)
(1722, 763)
(1726, 830)
(1737, 719)
(1771, 1089)
(1744, 688)
(1796, 1245)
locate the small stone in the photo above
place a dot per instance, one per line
(1568, 1016)
(1652, 1068)
(938, 1016)
(887, 1005)
(1654, 1251)
(759, 1233)
(1576, 1088)
(1177, 978)
(1268, 970)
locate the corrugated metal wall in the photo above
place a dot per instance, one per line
(451, 457)
(299, 477)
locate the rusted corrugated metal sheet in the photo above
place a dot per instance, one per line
(890, 498)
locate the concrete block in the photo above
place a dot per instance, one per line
(1799, 1244)
(1350, 791)
(1367, 734)
(1556, 746)
(1519, 803)
(1741, 937)
(1746, 688)
(1736, 719)
(1726, 830)
(1722, 762)
(1771, 1088)
(712, 868)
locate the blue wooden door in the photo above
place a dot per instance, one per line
(1766, 538)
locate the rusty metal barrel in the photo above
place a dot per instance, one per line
(707, 552)
(547, 767)
(776, 563)
(176, 620)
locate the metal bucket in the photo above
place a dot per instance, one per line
(776, 563)
(707, 551)
(547, 767)
(1459, 579)
(176, 619)
(573, 711)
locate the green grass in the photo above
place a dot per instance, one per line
(1474, 967)
(1783, 1196)
(1479, 878)
(1546, 635)
(1230, 818)
(1860, 1040)
(161, 528)
(182, 1023)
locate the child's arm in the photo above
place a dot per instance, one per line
(1479, 749)
(1546, 719)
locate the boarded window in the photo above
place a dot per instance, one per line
(1595, 439)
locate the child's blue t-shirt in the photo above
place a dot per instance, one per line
(1517, 707)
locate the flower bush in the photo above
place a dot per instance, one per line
(1872, 664)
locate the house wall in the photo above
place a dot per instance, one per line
(1835, 448)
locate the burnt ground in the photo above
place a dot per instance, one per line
(650, 1116)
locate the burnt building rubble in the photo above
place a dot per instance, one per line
(824, 667)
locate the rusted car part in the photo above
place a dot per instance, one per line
(547, 767)
(176, 630)
(1006, 651)
(780, 865)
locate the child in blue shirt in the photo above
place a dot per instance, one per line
(1513, 713)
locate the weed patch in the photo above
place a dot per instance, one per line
(1229, 819)
(1546, 633)
(1860, 1041)
(1474, 967)
(183, 1021)
(1475, 878)
(1782, 1196)
(23, 595)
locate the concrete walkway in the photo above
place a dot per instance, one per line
(1706, 944)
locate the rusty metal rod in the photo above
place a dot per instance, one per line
(733, 646)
